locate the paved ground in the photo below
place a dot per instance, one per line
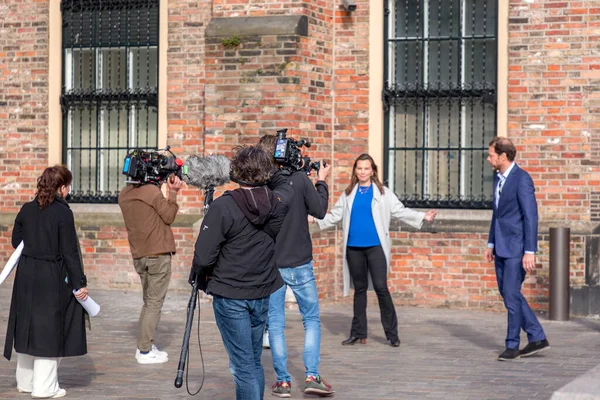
(445, 354)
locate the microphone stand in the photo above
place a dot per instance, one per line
(208, 198)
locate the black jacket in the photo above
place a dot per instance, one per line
(235, 246)
(294, 245)
(45, 318)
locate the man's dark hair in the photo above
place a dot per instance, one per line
(504, 145)
(251, 164)
(267, 143)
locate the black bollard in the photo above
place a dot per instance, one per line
(559, 274)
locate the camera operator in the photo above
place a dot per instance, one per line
(293, 256)
(235, 250)
(148, 216)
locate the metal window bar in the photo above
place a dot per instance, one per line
(440, 101)
(110, 84)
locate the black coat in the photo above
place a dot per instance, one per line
(45, 318)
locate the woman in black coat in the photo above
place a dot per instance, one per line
(46, 322)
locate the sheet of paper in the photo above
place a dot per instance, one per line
(90, 306)
(12, 263)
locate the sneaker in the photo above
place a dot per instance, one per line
(317, 386)
(282, 389)
(150, 358)
(534, 348)
(58, 395)
(160, 353)
(154, 350)
(509, 355)
(266, 344)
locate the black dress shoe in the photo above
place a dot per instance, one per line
(394, 343)
(509, 355)
(352, 340)
(534, 347)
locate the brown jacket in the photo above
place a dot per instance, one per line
(148, 216)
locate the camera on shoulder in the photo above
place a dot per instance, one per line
(142, 167)
(288, 154)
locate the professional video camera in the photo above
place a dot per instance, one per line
(288, 154)
(142, 167)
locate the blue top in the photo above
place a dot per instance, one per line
(362, 226)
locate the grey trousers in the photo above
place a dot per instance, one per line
(155, 275)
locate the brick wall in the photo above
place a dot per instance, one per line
(554, 100)
(185, 85)
(23, 99)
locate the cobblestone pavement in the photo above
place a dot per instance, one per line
(445, 354)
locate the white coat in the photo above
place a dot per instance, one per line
(385, 207)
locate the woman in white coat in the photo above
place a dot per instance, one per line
(365, 210)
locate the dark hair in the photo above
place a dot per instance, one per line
(267, 143)
(504, 145)
(52, 179)
(251, 164)
(354, 179)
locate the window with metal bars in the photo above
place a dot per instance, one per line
(109, 92)
(440, 101)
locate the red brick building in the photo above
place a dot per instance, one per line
(422, 85)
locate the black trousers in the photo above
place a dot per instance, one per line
(361, 262)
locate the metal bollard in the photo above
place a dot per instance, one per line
(559, 274)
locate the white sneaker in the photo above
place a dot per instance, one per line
(160, 353)
(58, 395)
(150, 358)
(266, 344)
(154, 350)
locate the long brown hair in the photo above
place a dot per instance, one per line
(354, 179)
(51, 180)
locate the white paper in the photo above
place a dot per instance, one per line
(90, 305)
(12, 263)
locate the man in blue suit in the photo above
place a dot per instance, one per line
(512, 245)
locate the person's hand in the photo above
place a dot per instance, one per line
(430, 215)
(174, 183)
(489, 254)
(81, 294)
(324, 171)
(311, 219)
(529, 262)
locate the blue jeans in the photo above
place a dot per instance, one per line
(302, 281)
(242, 323)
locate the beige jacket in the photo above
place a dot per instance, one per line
(385, 207)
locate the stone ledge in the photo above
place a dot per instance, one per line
(584, 387)
(113, 219)
(258, 26)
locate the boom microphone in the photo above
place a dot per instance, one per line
(204, 172)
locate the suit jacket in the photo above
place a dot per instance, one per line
(514, 227)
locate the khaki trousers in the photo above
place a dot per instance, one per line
(155, 274)
(37, 375)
